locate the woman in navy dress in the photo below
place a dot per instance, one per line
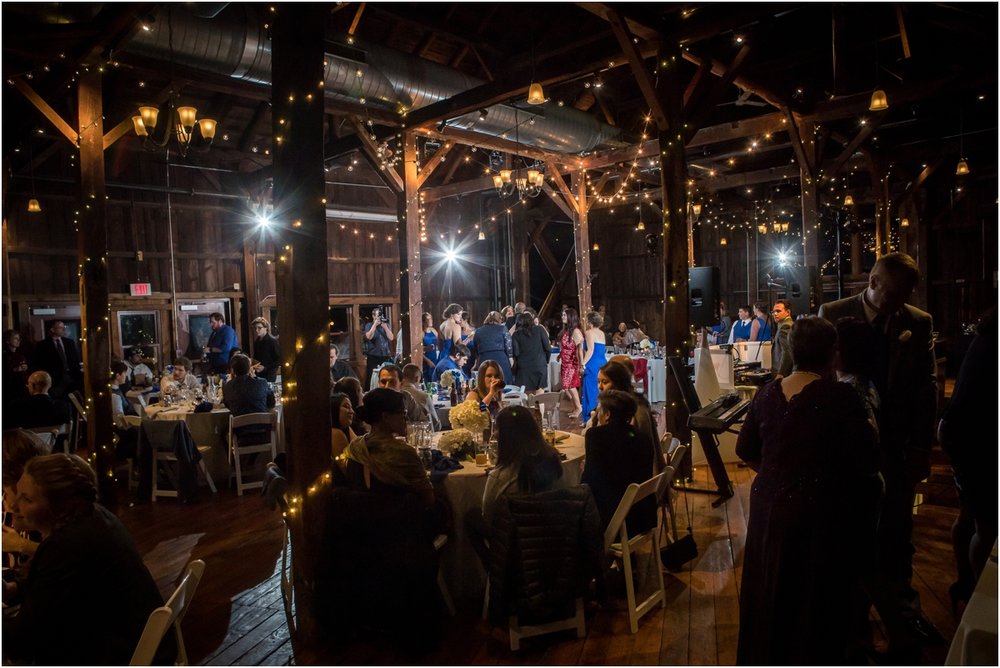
(430, 343)
(763, 323)
(493, 342)
(593, 359)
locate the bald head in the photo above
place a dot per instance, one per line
(39, 382)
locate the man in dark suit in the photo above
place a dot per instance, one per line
(781, 354)
(245, 394)
(40, 409)
(905, 379)
(58, 356)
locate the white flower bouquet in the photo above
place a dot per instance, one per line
(468, 415)
(458, 443)
(448, 378)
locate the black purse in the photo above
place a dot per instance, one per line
(674, 555)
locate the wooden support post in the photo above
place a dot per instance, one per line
(250, 278)
(521, 247)
(856, 248)
(677, 333)
(95, 310)
(581, 235)
(303, 291)
(673, 173)
(411, 302)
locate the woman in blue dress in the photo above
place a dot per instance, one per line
(493, 342)
(593, 360)
(430, 343)
(764, 329)
(451, 330)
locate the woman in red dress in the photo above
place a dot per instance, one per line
(569, 356)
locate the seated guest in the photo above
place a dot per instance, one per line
(87, 596)
(618, 338)
(526, 463)
(813, 509)
(180, 378)
(266, 350)
(351, 386)
(39, 409)
(619, 377)
(381, 462)
(617, 455)
(341, 417)
(245, 394)
(634, 336)
(120, 407)
(457, 356)
(411, 385)
(19, 447)
(489, 387)
(339, 368)
(391, 377)
(139, 374)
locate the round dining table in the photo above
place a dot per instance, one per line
(460, 566)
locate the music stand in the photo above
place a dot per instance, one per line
(709, 440)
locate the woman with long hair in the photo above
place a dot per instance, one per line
(531, 353)
(352, 388)
(430, 347)
(87, 595)
(617, 375)
(489, 387)
(570, 354)
(526, 463)
(450, 329)
(341, 419)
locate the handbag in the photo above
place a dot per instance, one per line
(674, 555)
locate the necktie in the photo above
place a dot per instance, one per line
(62, 353)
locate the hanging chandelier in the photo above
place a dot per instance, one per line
(183, 128)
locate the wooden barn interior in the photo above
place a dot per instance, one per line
(341, 156)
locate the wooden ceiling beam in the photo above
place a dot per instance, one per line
(702, 106)
(750, 178)
(511, 85)
(389, 174)
(854, 145)
(493, 143)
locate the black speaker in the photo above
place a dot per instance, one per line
(703, 296)
(800, 290)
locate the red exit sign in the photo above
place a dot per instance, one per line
(140, 289)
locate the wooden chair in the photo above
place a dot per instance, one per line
(237, 451)
(549, 403)
(80, 421)
(50, 435)
(620, 546)
(276, 497)
(171, 613)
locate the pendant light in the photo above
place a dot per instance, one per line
(962, 168)
(848, 200)
(33, 205)
(905, 222)
(879, 101)
(482, 235)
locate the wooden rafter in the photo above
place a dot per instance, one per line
(357, 18)
(870, 126)
(808, 166)
(392, 177)
(50, 114)
(558, 200)
(433, 163)
(638, 64)
(701, 106)
(117, 133)
(577, 206)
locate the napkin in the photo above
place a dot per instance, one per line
(442, 465)
(204, 407)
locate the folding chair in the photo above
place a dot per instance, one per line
(173, 613)
(50, 435)
(237, 451)
(80, 422)
(620, 546)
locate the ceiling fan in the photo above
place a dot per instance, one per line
(744, 99)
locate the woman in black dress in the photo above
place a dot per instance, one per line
(493, 342)
(531, 353)
(618, 455)
(811, 533)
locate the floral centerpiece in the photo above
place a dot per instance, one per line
(469, 415)
(448, 378)
(458, 443)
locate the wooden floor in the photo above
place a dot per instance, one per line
(237, 617)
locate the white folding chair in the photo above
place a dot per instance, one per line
(170, 613)
(133, 422)
(51, 433)
(549, 403)
(439, 542)
(237, 451)
(80, 422)
(674, 452)
(620, 546)
(161, 454)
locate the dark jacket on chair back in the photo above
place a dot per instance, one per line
(546, 548)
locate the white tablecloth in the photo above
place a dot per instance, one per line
(656, 368)
(975, 641)
(460, 565)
